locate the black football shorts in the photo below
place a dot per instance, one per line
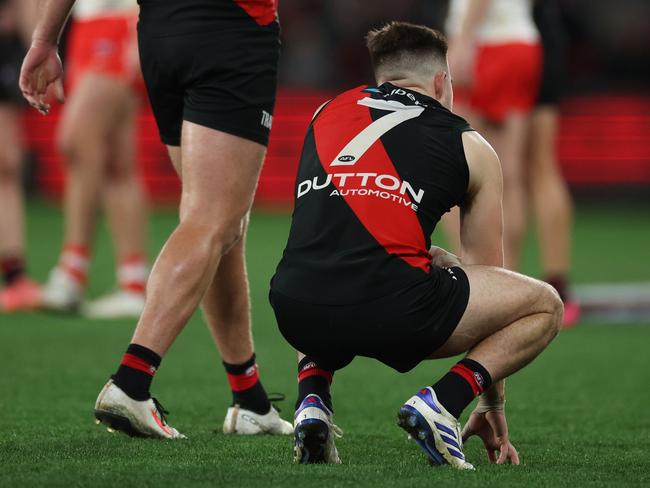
(400, 329)
(223, 78)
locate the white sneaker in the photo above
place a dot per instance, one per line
(314, 433)
(61, 293)
(247, 422)
(118, 411)
(434, 429)
(120, 304)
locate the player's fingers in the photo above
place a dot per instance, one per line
(514, 455)
(503, 453)
(58, 90)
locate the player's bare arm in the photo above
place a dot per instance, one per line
(42, 66)
(482, 243)
(481, 231)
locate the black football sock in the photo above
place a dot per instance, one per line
(247, 389)
(136, 371)
(312, 379)
(465, 381)
(13, 268)
(559, 282)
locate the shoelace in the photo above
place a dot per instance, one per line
(338, 432)
(161, 410)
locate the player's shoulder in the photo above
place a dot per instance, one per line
(476, 147)
(482, 160)
(344, 98)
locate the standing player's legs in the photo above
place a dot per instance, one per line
(18, 292)
(126, 209)
(219, 175)
(508, 138)
(88, 122)
(551, 204)
(226, 307)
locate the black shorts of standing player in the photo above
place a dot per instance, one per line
(400, 330)
(12, 52)
(222, 76)
(548, 18)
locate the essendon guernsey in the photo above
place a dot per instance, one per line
(378, 169)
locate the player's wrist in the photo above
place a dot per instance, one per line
(41, 41)
(490, 404)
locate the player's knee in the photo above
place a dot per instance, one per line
(554, 307)
(230, 233)
(219, 234)
(76, 148)
(120, 172)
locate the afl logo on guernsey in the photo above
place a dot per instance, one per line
(346, 158)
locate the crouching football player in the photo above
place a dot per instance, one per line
(379, 167)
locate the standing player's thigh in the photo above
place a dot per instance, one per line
(220, 173)
(497, 298)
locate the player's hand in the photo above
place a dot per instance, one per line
(461, 57)
(443, 258)
(492, 428)
(41, 71)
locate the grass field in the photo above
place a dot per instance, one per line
(579, 414)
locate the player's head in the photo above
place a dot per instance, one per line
(405, 52)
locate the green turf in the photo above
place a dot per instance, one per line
(578, 414)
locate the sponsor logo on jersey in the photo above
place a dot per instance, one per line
(384, 186)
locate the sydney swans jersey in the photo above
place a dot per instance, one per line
(379, 167)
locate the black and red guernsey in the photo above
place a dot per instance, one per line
(379, 167)
(191, 16)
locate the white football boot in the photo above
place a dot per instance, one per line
(314, 433)
(120, 304)
(434, 429)
(246, 422)
(118, 411)
(61, 293)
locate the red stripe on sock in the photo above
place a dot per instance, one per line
(128, 259)
(468, 375)
(134, 286)
(315, 371)
(140, 364)
(244, 381)
(79, 276)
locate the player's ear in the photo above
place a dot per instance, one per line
(439, 84)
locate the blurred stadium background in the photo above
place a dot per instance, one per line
(604, 152)
(603, 145)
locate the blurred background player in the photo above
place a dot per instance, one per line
(97, 138)
(18, 292)
(508, 90)
(549, 195)
(495, 55)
